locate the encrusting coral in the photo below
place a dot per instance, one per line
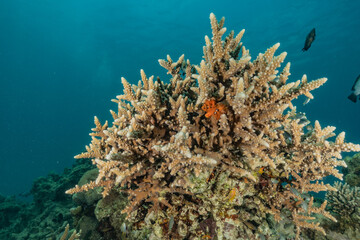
(214, 151)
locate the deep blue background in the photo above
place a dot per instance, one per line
(61, 63)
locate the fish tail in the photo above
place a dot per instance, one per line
(352, 97)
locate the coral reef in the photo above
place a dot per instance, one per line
(345, 203)
(47, 215)
(217, 150)
(84, 213)
(352, 172)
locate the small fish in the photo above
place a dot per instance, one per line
(171, 223)
(294, 191)
(301, 116)
(307, 100)
(356, 90)
(304, 205)
(303, 122)
(298, 115)
(123, 228)
(274, 181)
(309, 39)
(309, 128)
(232, 194)
(250, 225)
(306, 196)
(288, 137)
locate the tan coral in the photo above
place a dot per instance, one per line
(161, 138)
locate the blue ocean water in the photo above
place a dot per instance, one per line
(61, 63)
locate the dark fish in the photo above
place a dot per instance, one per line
(356, 90)
(304, 122)
(309, 39)
(298, 115)
(287, 136)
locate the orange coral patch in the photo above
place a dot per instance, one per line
(213, 109)
(220, 109)
(209, 104)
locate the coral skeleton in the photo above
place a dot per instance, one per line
(218, 149)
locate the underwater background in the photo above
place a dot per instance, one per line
(61, 63)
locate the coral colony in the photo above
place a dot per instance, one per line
(220, 152)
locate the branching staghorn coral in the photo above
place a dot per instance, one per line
(212, 152)
(65, 234)
(345, 202)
